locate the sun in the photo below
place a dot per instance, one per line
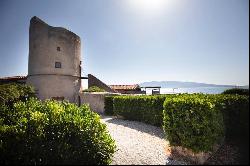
(149, 6)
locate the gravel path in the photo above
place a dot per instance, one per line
(142, 144)
(137, 143)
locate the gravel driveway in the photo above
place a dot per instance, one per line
(142, 144)
(137, 143)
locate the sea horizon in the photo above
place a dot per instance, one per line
(205, 90)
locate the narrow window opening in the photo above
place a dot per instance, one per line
(58, 49)
(58, 65)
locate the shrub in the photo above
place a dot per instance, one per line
(108, 105)
(235, 109)
(193, 122)
(237, 91)
(53, 133)
(10, 93)
(146, 109)
(94, 89)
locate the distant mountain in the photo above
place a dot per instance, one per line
(179, 84)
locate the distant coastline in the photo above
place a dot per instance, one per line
(205, 90)
(179, 84)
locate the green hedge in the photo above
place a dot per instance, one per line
(53, 133)
(235, 109)
(146, 109)
(237, 91)
(94, 89)
(108, 105)
(193, 122)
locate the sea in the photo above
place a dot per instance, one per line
(205, 90)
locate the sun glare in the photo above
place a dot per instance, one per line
(149, 6)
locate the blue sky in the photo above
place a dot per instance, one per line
(132, 41)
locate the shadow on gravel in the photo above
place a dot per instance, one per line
(139, 126)
(234, 151)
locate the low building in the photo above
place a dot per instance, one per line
(128, 89)
(155, 90)
(13, 79)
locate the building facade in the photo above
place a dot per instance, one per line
(54, 61)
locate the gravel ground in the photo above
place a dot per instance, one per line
(138, 143)
(142, 144)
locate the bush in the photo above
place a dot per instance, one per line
(237, 91)
(10, 93)
(53, 133)
(146, 109)
(235, 109)
(193, 122)
(94, 89)
(108, 105)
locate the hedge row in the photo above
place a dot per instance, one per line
(237, 91)
(235, 109)
(108, 105)
(146, 109)
(193, 122)
(51, 132)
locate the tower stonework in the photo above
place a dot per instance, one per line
(54, 61)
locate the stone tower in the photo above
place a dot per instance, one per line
(54, 61)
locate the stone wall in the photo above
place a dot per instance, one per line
(95, 100)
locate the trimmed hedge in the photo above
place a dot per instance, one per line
(237, 91)
(235, 109)
(193, 122)
(108, 105)
(146, 109)
(53, 133)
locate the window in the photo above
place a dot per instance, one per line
(58, 65)
(58, 49)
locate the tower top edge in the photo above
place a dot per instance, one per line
(35, 19)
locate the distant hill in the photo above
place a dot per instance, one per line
(179, 84)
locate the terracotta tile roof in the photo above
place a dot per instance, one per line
(125, 87)
(14, 78)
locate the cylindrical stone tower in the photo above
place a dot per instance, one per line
(54, 61)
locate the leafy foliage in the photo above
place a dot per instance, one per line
(235, 109)
(237, 91)
(146, 109)
(94, 89)
(10, 93)
(33, 132)
(108, 105)
(193, 122)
